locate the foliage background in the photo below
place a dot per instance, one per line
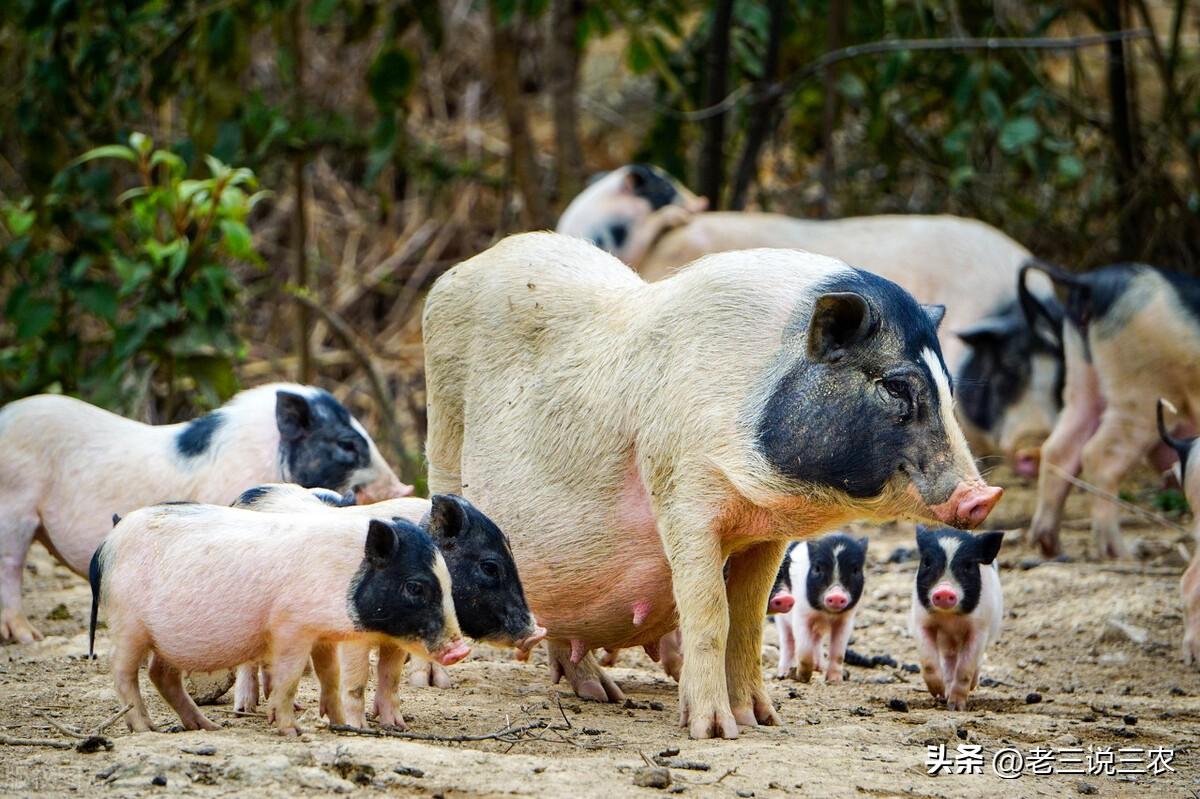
(397, 137)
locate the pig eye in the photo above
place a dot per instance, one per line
(415, 589)
(348, 446)
(489, 568)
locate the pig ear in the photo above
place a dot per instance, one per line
(935, 313)
(347, 500)
(988, 331)
(864, 542)
(292, 414)
(839, 320)
(989, 546)
(116, 519)
(381, 543)
(446, 517)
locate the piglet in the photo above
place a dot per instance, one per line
(957, 608)
(827, 576)
(205, 587)
(1189, 586)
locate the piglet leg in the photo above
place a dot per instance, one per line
(126, 661)
(325, 664)
(355, 657)
(169, 682)
(1190, 588)
(751, 576)
(586, 677)
(245, 688)
(966, 672)
(839, 637)
(391, 670)
(808, 650)
(787, 644)
(427, 674)
(670, 653)
(931, 670)
(16, 535)
(287, 667)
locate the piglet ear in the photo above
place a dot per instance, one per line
(447, 517)
(935, 313)
(382, 543)
(293, 415)
(864, 542)
(989, 546)
(924, 534)
(347, 500)
(839, 321)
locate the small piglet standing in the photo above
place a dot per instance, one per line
(826, 575)
(957, 608)
(1188, 450)
(205, 587)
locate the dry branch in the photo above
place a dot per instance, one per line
(508, 734)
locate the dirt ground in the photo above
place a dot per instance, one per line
(1100, 685)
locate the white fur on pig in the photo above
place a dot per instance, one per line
(952, 645)
(66, 467)
(804, 629)
(608, 418)
(206, 587)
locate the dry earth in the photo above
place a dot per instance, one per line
(1096, 689)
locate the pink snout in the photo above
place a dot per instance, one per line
(1026, 462)
(968, 506)
(781, 602)
(944, 597)
(381, 490)
(452, 652)
(836, 600)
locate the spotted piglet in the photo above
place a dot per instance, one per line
(957, 608)
(826, 575)
(1189, 477)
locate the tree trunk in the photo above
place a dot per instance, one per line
(712, 161)
(505, 49)
(835, 24)
(562, 63)
(762, 117)
(304, 319)
(1123, 136)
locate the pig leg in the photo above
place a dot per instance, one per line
(288, 662)
(1123, 439)
(245, 688)
(325, 664)
(787, 644)
(169, 682)
(1190, 588)
(965, 674)
(355, 659)
(17, 530)
(670, 652)
(427, 674)
(839, 637)
(586, 677)
(127, 655)
(1061, 454)
(391, 669)
(610, 657)
(931, 670)
(751, 577)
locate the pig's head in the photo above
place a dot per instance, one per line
(403, 589)
(781, 598)
(488, 596)
(616, 203)
(322, 446)
(948, 579)
(859, 409)
(834, 582)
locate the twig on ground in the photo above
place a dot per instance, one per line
(6, 740)
(508, 734)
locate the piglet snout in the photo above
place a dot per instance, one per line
(1026, 462)
(452, 652)
(969, 505)
(944, 597)
(836, 600)
(781, 602)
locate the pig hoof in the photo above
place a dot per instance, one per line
(291, 732)
(833, 678)
(592, 690)
(713, 725)
(396, 723)
(761, 710)
(430, 676)
(956, 704)
(1046, 541)
(15, 627)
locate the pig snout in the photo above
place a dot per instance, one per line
(1026, 462)
(781, 602)
(452, 652)
(943, 597)
(379, 490)
(836, 599)
(968, 506)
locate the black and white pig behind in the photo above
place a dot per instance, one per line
(1189, 585)
(957, 609)
(66, 467)
(1131, 335)
(658, 430)
(827, 574)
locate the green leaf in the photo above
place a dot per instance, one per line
(238, 240)
(174, 163)
(107, 151)
(1070, 168)
(33, 317)
(1018, 133)
(99, 298)
(391, 76)
(19, 221)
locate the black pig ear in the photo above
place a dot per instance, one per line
(348, 499)
(116, 519)
(292, 414)
(935, 313)
(989, 546)
(447, 517)
(382, 543)
(864, 542)
(839, 320)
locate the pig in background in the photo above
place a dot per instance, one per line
(1189, 585)
(1009, 378)
(66, 467)
(657, 431)
(279, 588)
(1131, 335)
(957, 609)
(486, 589)
(827, 575)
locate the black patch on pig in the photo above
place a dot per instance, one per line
(333, 499)
(488, 598)
(860, 405)
(318, 445)
(250, 497)
(196, 436)
(821, 560)
(974, 551)
(617, 234)
(652, 185)
(1183, 446)
(1187, 289)
(395, 590)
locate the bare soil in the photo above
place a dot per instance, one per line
(1095, 690)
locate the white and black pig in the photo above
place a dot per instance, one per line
(827, 574)
(488, 598)
(1129, 334)
(204, 587)
(1189, 585)
(66, 467)
(660, 430)
(1008, 379)
(957, 609)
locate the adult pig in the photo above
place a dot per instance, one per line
(658, 430)
(66, 467)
